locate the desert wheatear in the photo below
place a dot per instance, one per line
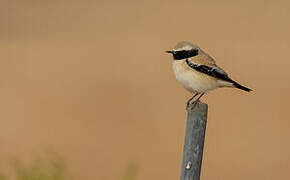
(197, 72)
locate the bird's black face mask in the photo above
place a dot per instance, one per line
(183, 54)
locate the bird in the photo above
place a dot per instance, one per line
(198, 72)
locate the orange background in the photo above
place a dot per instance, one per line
(90, 80)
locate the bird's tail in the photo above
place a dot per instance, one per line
(237, 85)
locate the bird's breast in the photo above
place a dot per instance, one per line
(191, 79)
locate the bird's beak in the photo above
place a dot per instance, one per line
(170, 51)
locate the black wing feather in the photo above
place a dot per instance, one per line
(211, 71)
(215, 72)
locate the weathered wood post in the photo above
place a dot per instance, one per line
(194, 141)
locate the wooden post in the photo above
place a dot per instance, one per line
(194, 141)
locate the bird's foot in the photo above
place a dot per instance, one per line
(188, 104)
(195, 104)
(192, 104)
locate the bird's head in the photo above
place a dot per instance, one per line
(184, 50)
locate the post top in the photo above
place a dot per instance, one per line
(197, 106)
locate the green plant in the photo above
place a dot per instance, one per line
(131, 171)
(52, 168)
(2, 177)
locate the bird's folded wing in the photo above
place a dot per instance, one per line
(211, 70)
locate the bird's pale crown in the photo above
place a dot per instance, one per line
(185, 46)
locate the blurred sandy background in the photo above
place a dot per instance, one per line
(90, 80)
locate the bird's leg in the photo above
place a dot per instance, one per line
(189, 101)
(197, 101)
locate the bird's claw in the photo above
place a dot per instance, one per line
(192, 104)
(195, 104)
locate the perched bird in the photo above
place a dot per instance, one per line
(197, 72)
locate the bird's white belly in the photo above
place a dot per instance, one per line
(193, 81)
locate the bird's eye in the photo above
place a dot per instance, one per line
(194, 52)
(184, 54)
